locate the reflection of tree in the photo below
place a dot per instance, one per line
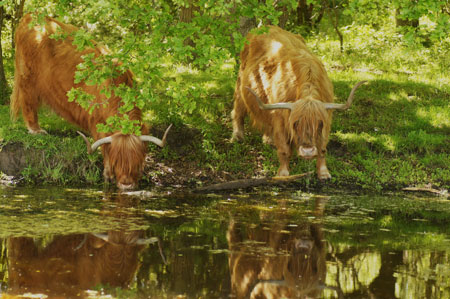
(423, 274)
(277, 259)
(352, 271)
(3, 259)
(383, 285)
(389, 274)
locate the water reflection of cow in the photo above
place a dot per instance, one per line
(70, 264)
(278, 260)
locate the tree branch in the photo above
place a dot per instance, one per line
(247, 183)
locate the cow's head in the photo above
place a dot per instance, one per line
(124, 156)
(309, 121)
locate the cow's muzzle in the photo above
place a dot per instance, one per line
(307, 152)
(126, 187)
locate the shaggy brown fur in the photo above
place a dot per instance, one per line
(45, 70)
(278, 67)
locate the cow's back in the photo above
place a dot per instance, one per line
(45, 71)
(274, 44)
(281, 59)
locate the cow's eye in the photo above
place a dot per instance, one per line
(320, 126)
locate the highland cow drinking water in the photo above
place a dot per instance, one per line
(44, 73)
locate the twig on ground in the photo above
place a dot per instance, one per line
(431, 190)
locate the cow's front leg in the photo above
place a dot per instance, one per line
(322, 170)
(284, 153)
(238, 115)
(107, 170)
(107, 173)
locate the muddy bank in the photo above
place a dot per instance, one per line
(13, 159)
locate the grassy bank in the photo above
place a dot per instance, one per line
(396, 134)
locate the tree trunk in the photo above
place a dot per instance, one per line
(304, 13)
(4, 88)
(18, 13)
(186, 14)
(334, 17)
(284, 16)
(306, 16)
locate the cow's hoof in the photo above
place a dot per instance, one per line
(37, 131)
(283, 172)
(324, 176)
(267, 139)
(237, 136)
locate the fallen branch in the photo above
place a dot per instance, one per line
(246, 183)
(431, 190)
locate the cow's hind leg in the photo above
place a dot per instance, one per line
(238, 116)
(30, 105)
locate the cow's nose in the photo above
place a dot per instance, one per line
(125, 186)
(307, 152)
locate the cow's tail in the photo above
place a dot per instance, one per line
(15, 105)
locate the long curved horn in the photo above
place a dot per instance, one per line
(349, 100)
(93, 147)
(263, 106)
(157, 141)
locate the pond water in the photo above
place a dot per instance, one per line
(72, 243)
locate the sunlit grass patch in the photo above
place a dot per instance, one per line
(363, 142)
(438, 117)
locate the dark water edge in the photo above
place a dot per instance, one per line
(280, 244)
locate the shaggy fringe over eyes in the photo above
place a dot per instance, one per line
(308, 114)
(127, 153)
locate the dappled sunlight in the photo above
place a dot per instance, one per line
(182, 68)
(359, 141)
(228, 66)
(385, 51)
(436, 116)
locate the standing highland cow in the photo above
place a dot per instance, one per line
(288, 95)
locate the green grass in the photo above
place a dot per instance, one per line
(59, 157)
(396, 134)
